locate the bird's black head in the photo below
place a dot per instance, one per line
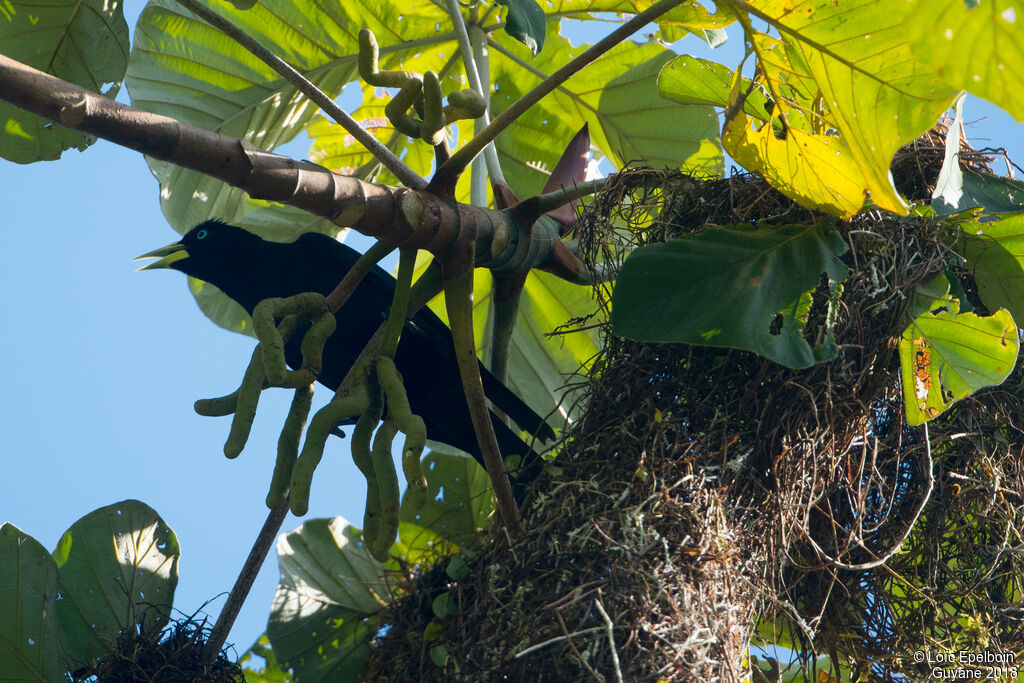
(207, 251)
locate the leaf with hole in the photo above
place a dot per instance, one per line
(768, 291)
(946, 355)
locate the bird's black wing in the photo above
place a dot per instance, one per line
(430, 328)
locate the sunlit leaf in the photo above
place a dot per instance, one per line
(459, 505)
(870, 91)
(84, 42)
(975, 48)
(946, 355)
(629, 121)
(330, 587)
(118, 568)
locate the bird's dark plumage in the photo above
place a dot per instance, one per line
(249, 269)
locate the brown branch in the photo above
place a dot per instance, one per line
(458, 299)
(462, 158)
(243, 584)
(263, 175)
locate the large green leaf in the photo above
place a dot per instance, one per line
(118, 568)
(735, 287)
(692, 80)
(946, 355)
(870, 95)
(29, 647)
(459, 504)
(81, 41)
(976, 47)
(334, 148)
(320, 623)
(994, 251)
(628, 120)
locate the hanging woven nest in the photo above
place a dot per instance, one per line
(709, 496)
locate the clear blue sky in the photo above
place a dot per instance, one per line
(101, 365)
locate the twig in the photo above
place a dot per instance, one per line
(244, 582)
(405, 174)
(553, 200)
(906, 533)
(557, 639)
(611, 636)
(461, 159)
(337, 298)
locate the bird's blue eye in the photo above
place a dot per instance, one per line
(201, 234)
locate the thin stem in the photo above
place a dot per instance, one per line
(461, 159)
(475, 82)
(337, 298)
(526, 66)
(405, 174)
(244, 582)
(396, 318)
(553, 200)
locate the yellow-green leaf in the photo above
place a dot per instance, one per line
(815, 170)
(979, 49)
(946, 355)
(869, 88)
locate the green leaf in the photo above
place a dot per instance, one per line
(994, 251)
(118, 569)
(870, 96)
(979, 49)
(334, 148)
(526, 23)
(81, 41)
(29, 646)
(457, 568)
(946, 355)
(692, 80)
(459, 504)
(994, 194)
(761, 281)
(442, 605)
(629, 121)
(321, 620)
(260, 664)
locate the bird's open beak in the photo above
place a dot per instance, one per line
(170, 254)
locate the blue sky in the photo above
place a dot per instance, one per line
(101, 366)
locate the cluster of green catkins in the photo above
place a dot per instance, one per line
(375, 381)
(419, 93)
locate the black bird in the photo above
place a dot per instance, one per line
(249, 269)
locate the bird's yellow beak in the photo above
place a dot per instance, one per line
(170, 254)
